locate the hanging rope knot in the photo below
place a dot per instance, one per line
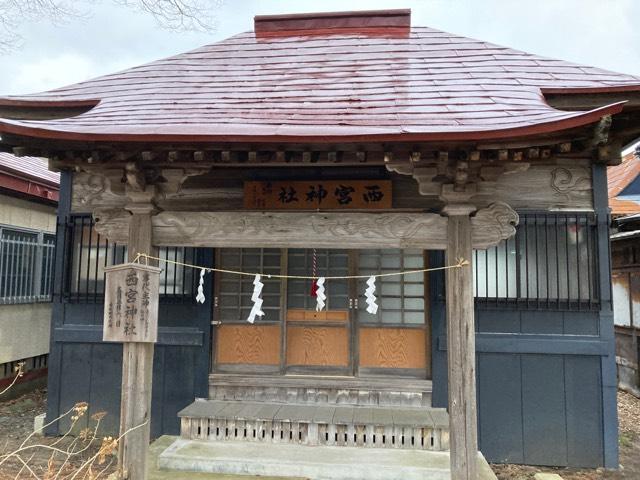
(462, 262)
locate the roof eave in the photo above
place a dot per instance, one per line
(529, 131)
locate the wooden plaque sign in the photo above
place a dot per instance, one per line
(131, 303)
(318, 194)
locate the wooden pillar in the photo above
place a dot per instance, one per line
(461, 350)
(137, 372)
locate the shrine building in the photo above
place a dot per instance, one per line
(346, 145)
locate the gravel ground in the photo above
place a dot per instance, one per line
(16, 423)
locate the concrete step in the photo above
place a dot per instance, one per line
(411, 428)
(312, 462)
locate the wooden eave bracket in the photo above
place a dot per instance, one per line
(456, 178)
(132, 183)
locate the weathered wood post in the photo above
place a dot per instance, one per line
(461, 350)
(131, 315)
(137, 371)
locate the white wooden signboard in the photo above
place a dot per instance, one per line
(131, 303)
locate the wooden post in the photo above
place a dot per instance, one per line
(461, 350)
(137, 372)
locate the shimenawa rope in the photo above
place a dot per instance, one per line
(461, 262)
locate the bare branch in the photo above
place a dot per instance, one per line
(180, 15)
(177, 15)
(19, 372)
(14, 13)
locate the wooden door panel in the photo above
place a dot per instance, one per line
(392, 348)
(248, 344)
(319, 346)
(300, 315)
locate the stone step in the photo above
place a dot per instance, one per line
(277, 423)
(314, 463)
(322, 390)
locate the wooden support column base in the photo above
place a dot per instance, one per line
(461, 352)
(135, 408)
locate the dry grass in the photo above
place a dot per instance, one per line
(24, 455)
(84, 456)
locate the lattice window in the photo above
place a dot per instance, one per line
(401, 299)
(329, 263)
(234, 291)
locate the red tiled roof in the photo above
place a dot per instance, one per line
(618, 178)
(623, 207)
(34, 168)
(328, 85)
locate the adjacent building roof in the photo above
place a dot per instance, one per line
(619, 178)
(28, 176)
(326, 77)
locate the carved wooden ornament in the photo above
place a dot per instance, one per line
(311, 230)
(131, 303)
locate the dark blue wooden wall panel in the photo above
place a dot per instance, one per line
(84, 369)
(75, 385)
(540, 409)
(175, 374)
(106, 373)
(540, 322)
(543, 410)
(500, 389)
(584, 410)
(438, 330)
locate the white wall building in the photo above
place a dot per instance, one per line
(28, 199)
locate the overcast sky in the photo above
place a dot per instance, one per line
(603, 33)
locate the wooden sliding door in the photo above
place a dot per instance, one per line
(343, 339)
(318, 342)
(239, 345)
(396, 340)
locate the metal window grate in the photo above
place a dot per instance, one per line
(549, 263)
(26, 266)
(87, 253)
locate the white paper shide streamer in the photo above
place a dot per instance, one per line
(200, 297)
(372, 306)
(256, 310)
(320, 295)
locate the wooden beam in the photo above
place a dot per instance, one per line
(137, 372)
(461, 353)
(310, 229)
